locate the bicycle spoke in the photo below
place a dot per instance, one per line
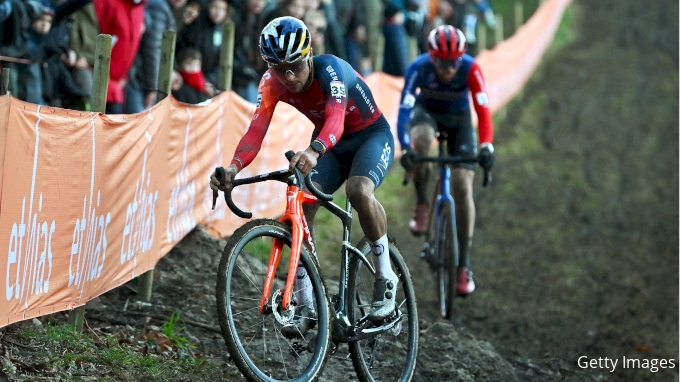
(247, 310)
(285, 370)
(246, 299)
(248, 278)
(255, 324)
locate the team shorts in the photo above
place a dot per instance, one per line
(369, 153)
(462, 139)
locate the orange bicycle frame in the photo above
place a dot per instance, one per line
(294, 217)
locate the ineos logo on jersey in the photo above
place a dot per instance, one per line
(259, 100)
(265, 77)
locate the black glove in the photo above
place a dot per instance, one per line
(486, 157)
(409, 159)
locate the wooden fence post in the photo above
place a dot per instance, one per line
(166, 64)
(226, 57)
(144, 285)
(499, 29)
(519, 15)
(145, 281)
(412, 48)
(100, 79)
(481, 37)
(502, 112)
(5, 81)
(374, 36)
(100, 85)
(379, 52)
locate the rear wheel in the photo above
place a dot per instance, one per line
(254, 340)
(399, 344)
(446, 258)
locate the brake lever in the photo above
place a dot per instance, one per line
(220, 175)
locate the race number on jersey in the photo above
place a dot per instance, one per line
(337, 89)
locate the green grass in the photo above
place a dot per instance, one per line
(73, 355)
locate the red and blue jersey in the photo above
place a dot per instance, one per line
(337, 101)
(443, 98)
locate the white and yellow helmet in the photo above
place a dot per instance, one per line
(285, 40)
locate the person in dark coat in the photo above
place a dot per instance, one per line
(205, 34)
(396, 56)
(140, 92)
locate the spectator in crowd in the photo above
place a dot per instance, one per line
(444, 15)
(205, 34)
(30, 82)
(484, 7)
(123, 19)
(373, 25)
(13, 36)
(61, 65)
(194, 88)
(140, 92)
(355, 43)
(396, 53)
(178, 7)
(294, 8)
(248, 65)
(316, 23)
(415, 24)
(83, 41)
(334, 35)
(5, 10)
(192, 10)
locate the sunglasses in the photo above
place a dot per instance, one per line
(295, 67)
(448, 64)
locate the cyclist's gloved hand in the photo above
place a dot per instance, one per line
(229, 173)
(486, 156)
(409, 159)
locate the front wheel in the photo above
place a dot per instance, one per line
(255, 340)
(446, 258)
(374, 358)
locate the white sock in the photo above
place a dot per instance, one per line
(303, 286)
(381, 252)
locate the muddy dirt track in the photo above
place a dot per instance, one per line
(576, 246)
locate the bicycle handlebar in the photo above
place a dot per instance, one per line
(448, 160)
(280, 175)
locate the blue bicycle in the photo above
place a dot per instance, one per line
(441, 238)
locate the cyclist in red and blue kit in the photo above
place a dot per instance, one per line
(351, 142)
(445, 77)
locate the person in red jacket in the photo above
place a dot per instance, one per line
(124, 21)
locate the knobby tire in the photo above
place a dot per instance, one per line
(406, 341)
(257, 232)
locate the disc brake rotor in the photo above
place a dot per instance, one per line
(284, 317)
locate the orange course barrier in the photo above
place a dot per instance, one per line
(90, 201)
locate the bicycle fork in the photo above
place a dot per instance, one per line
(295, 218)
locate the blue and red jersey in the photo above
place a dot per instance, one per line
(443, 98)
(337, 101)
